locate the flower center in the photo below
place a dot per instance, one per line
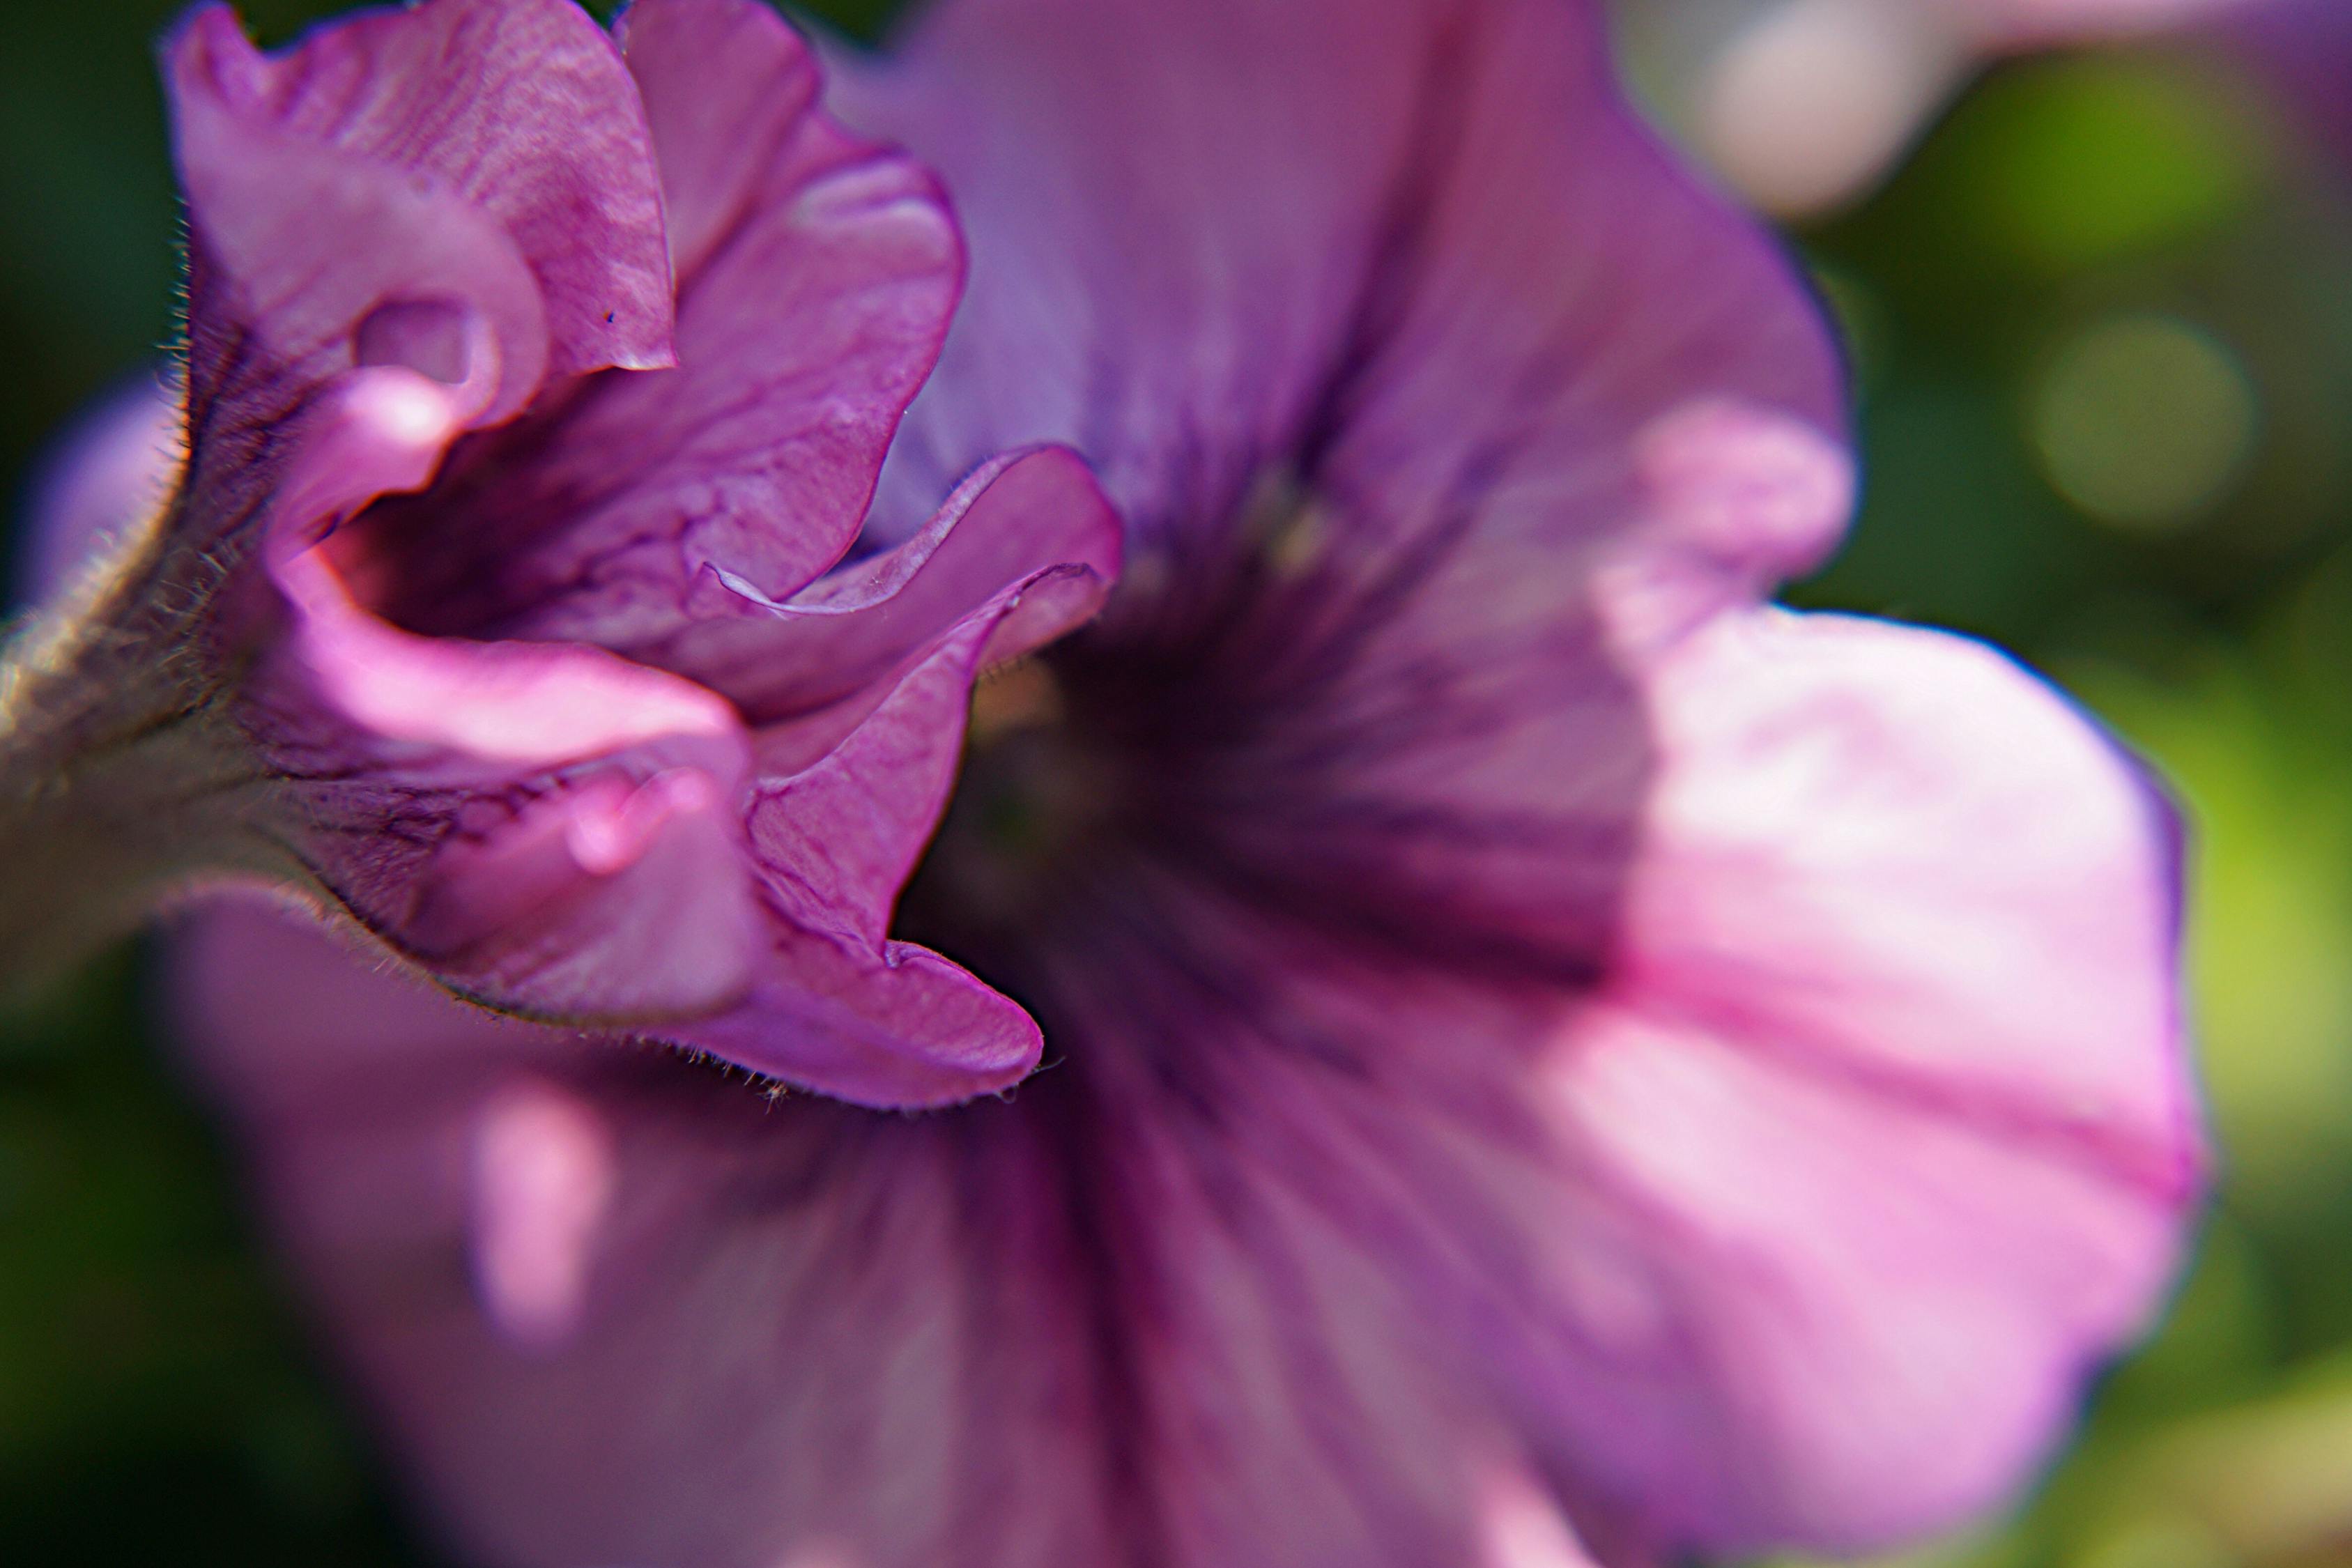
(1039, 798)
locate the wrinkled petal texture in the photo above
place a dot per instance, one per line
(817, 273)
(1545, 1055)
(388, 246)
(495, 521)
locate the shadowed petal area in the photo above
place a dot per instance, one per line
(1355, 239)
(1015, 520)
(817, 274)
(842, 1008)
(792, 1332)
(549, 828)
(1362, 313)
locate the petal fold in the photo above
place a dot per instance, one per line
(549, 828)
(818, 272)
(519, 109)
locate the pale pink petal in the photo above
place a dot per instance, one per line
(543, 1178)
(1804, 104)
(1886, 1111)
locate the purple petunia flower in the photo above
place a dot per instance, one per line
(536, 382)
(1544, 1055)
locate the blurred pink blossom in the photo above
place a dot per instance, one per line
(1803, 104)
(1546, 1055)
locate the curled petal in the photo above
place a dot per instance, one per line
(518, 109)
(549, 828)
(296, 245)
(1013, 521)
(841, 1007)
(1332, 1233)
(1739, 498)
(726, 86)
(817, 277)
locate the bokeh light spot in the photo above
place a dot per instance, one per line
(2083, 161)
(2143, 421)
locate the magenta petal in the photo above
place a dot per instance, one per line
(605, 898)
(1298, 1256)
(843, 1008)
(1013, 521)
(801, 335)
(520, 109)
(1411, 362)
(726, 86)
(296, 243)
(548, 828)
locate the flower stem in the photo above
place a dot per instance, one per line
(123, 780)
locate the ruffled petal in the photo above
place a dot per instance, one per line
(548, 828)
(823, 271)
(1302, 1258)
(1014, 522)
(519, 109)
(726, 86)
(841, 1007)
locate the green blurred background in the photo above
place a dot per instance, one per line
(2101, 331)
